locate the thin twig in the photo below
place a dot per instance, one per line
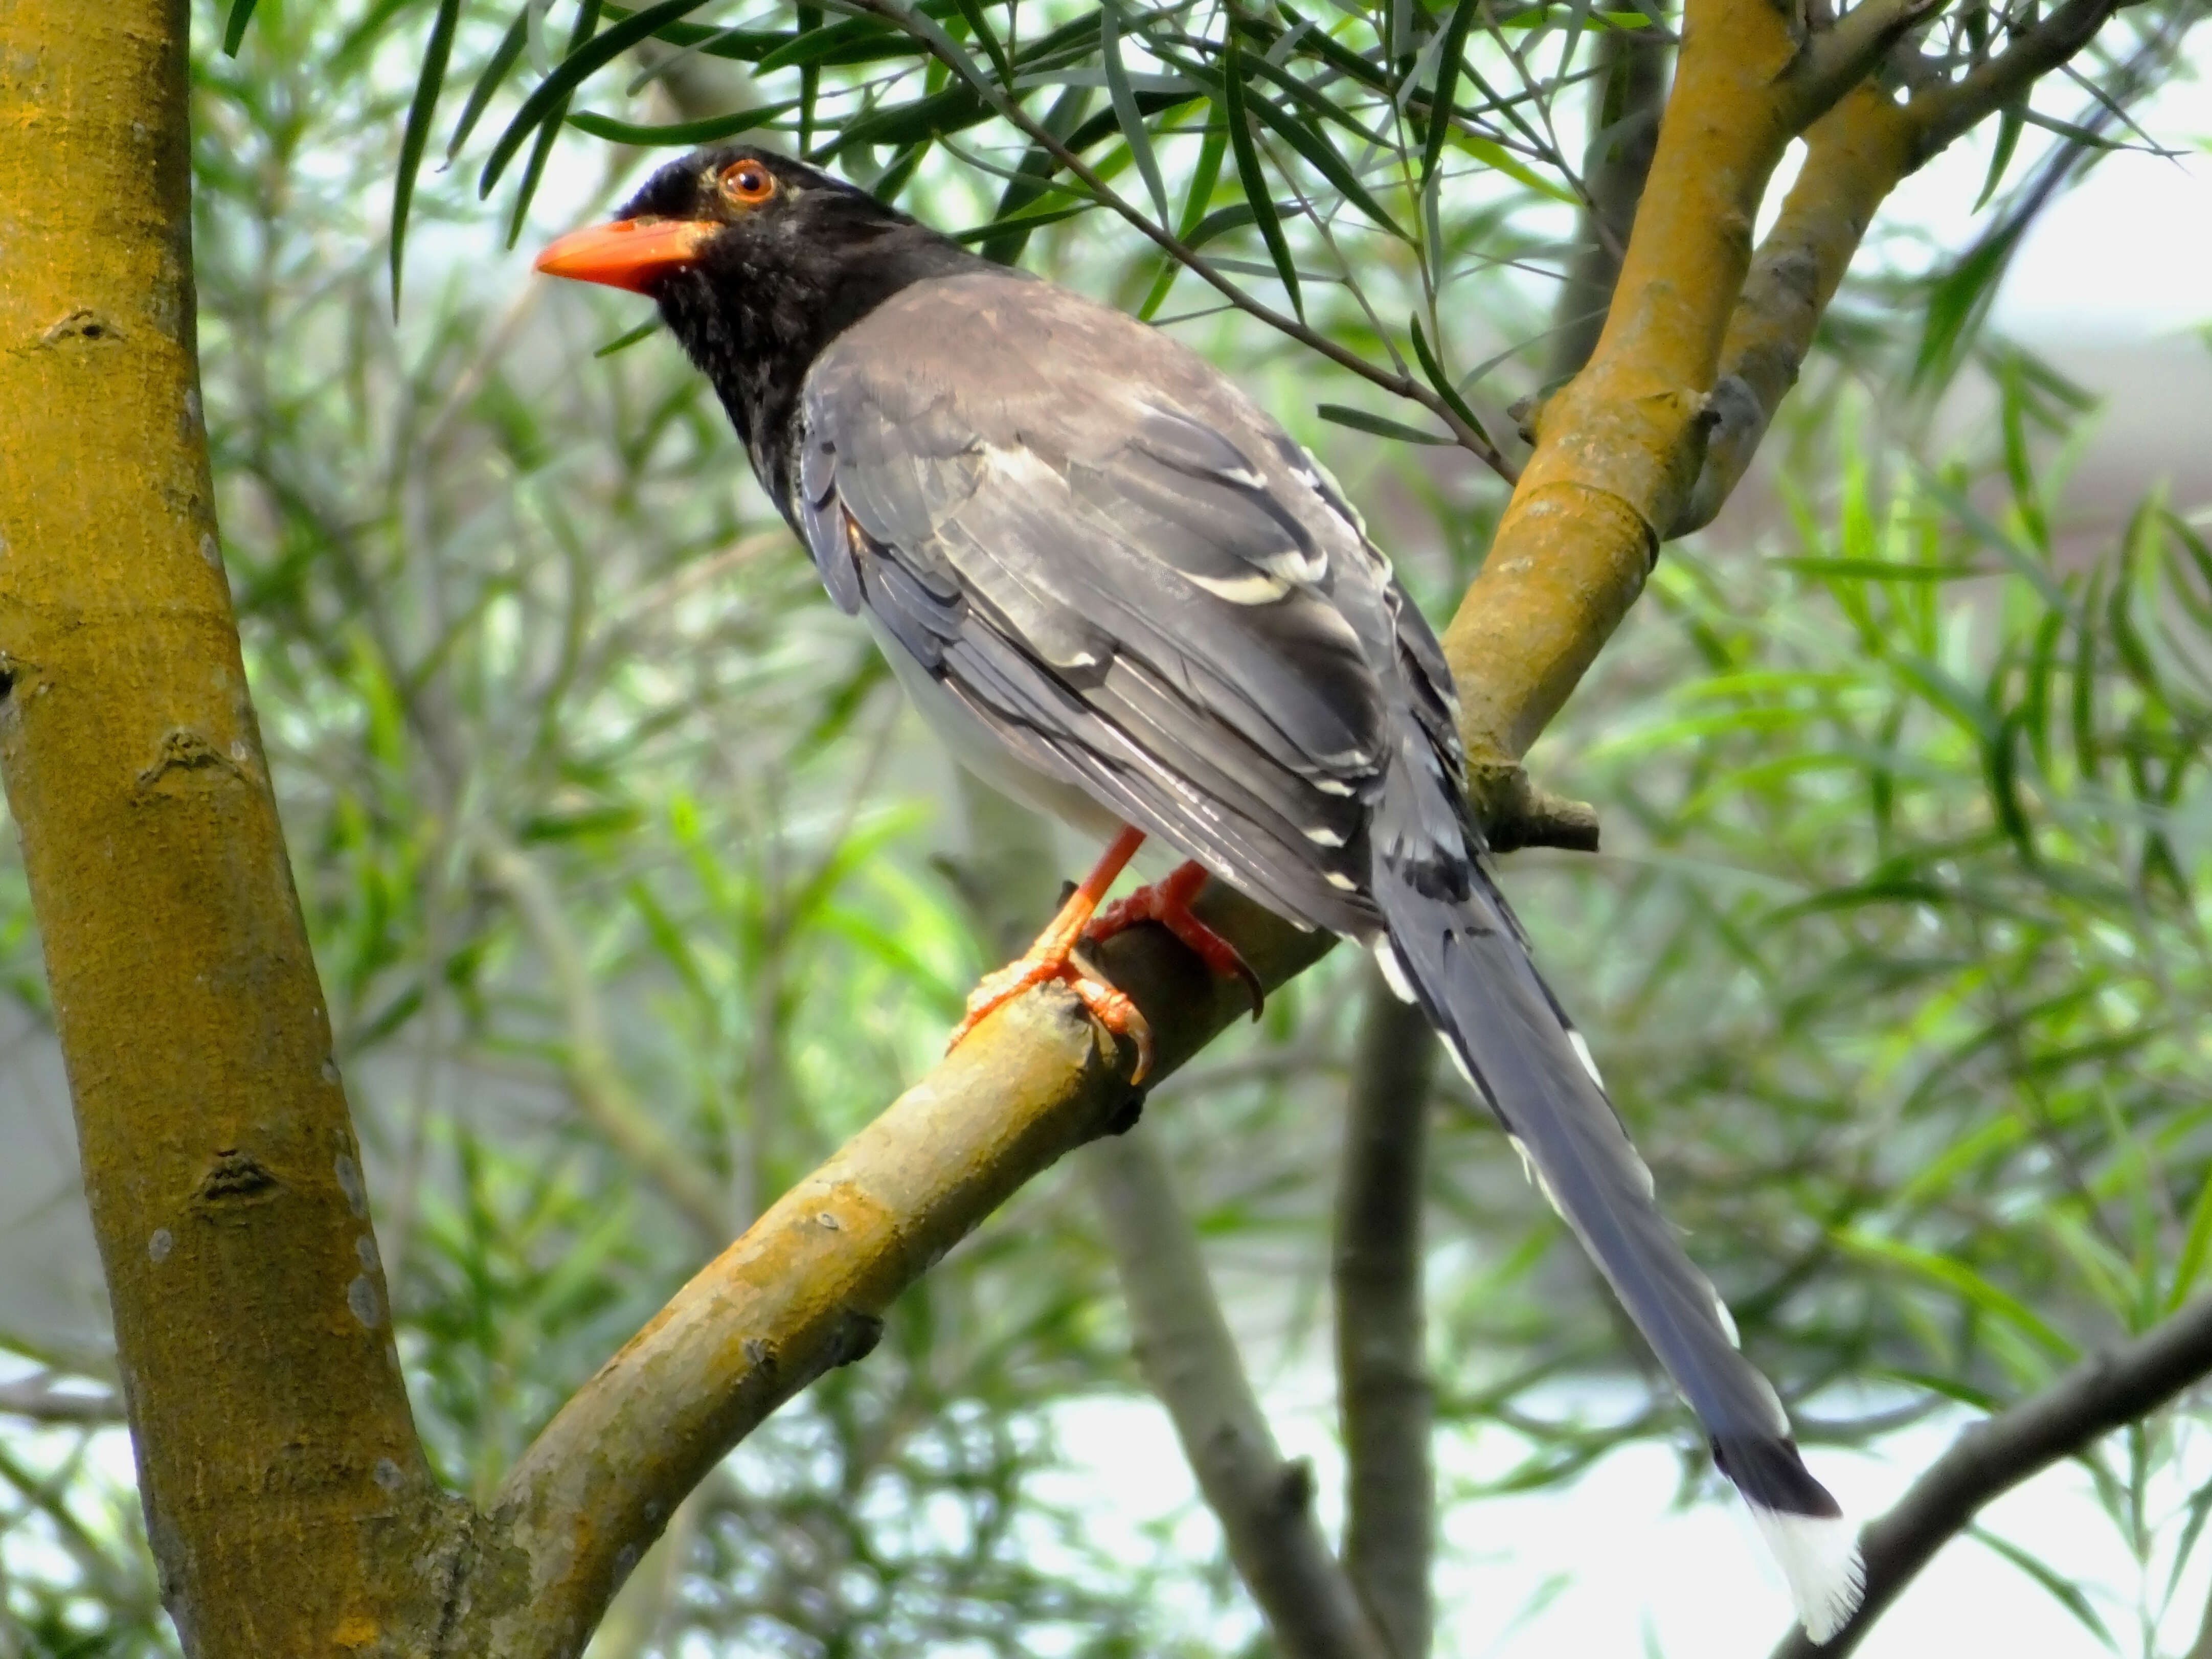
(1945, 113)
(2107, 1392)
(589, 1064)
(41, 1400)
(1385, 1399)
(1189, 1359)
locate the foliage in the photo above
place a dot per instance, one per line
(622, 859)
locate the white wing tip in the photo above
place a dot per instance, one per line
(1393, 971)
(1820, 1558)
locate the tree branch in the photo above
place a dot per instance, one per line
(1840, 57)
(1616, 446)
(1626, 96)
(1189, 1359)
(1946, 113)
(592, 1076)
(2106, 1392)
(1855, 155)
(805, 1288)
(275, 1451)
(1382, 1381)
(38, 1399)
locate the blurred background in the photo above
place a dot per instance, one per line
(635, 888)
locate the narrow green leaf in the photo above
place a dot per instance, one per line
(2011, 123)
(1313, 144)
(2000, 768)
(487, 81)
(809, 19)
(895, 177)
(918, 22)
(1203, 179)
(420, 111)
(1440, 106)
(1033, 178)
(2035, 696)
(681, 134)
(587, 19)
(2088, 748)
(1256, 182)
(1218, 223)
(979, 26)
(1962, 1280)
(1023, 223)
(1943, 691)
(1883, 570)
(623, 341)
(2086, 137)
(1360, 421)
(1124, 97)
(1442, 382)
(234, 26)
(2063, 1590)
(809, 47)
(1948, 1388)
(1957, 302)
(953, 109)
(1317, 103)
(587, 51)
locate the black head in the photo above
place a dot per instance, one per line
(757, 262)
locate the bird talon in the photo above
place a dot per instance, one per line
(1167, 903)
(1110, 1008)
(1052, 960)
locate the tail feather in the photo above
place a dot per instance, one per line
(1453, 940)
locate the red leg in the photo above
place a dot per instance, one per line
(1167, 903)
(1047, 962)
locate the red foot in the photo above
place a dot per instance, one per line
(1051, 960)
(1167, 903)
(1043, 966)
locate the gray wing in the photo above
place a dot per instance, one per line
(1128, 576)
(1152, 594)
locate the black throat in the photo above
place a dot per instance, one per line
(765, 299)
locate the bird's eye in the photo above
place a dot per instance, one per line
(748, 183)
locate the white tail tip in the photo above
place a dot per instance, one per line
(1819, 1560)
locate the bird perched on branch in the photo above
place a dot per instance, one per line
(1125, 596)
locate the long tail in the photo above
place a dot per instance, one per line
(1455, 947)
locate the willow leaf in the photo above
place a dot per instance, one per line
(420, 110)
(1256, 182)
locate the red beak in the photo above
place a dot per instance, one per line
(631, 253)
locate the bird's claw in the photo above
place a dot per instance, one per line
(1167, 903)
(1112, 1009)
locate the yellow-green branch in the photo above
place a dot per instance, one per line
(275, 1451)
(804, 1289)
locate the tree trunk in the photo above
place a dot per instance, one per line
(275, 1451)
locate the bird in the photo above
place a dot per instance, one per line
(1123, 594)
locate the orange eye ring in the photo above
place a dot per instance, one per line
(748, 183)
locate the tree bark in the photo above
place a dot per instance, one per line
(1190, 1359)
(1385, 1401)
(1627, 98)
(275, 1447)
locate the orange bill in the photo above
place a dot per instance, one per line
(631, 253)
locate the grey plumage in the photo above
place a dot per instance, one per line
(1125, 593)
(1126, 570)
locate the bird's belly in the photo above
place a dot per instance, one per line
(973, 745)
